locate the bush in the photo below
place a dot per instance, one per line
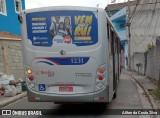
(150, 46)
(156, 93)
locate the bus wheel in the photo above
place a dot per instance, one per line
(115, 95)
(101, 105)
(97, 104)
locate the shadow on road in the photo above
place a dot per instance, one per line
(78, 109)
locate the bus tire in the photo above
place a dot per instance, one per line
(114, 95)
(98, 103)
(101, 105)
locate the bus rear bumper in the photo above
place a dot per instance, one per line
(99, 96)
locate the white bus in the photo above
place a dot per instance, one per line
(71, 54)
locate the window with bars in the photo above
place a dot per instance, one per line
(18, 6)
(3, 7)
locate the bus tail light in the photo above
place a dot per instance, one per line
(33, 98)
(31, 78)
(29, 71)
(100, 84)
(101, 70)
(32, 85)
(100, 77)
(101, 98)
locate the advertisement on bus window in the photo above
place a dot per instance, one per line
(56, 28)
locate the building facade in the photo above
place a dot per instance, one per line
(9, 10)
(119, 22)
(117, 14)
(145, 25)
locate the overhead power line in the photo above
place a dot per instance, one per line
(150, 23)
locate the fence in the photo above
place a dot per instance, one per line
(11, 57)
(150, 63)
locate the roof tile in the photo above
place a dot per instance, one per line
(9, 35)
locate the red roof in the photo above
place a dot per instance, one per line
(9, 35)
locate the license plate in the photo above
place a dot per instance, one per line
(65, 88)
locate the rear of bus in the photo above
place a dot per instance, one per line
(65, 54)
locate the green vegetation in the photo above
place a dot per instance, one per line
(156, 93)
(150, 46)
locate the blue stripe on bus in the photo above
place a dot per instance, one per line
(64, 61)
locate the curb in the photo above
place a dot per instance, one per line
(150, 98)
(12, 99)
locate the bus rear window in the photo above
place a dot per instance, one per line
(55, 28)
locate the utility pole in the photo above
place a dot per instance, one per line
(129, 37)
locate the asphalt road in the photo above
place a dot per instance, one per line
(127, 98)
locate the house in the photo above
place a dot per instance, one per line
(10, 41)
(9, 24)
(117, 13)
(119, 22)
(111, 9)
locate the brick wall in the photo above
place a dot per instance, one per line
(11, 57)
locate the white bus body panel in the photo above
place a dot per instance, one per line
(82, 77)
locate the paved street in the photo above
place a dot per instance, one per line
(60, 47)
(127, 98)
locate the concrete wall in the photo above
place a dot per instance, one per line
(153, 63)
(150, 62)
(145, 24)
(138, 58)
(11, 57)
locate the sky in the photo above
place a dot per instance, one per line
(90, 3)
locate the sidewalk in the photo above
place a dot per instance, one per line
(7, 100)
(147, 85)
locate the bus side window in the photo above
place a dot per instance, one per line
(109, 38)
(118, 43)
(108, 30)
(115, 44)
(119, 46)
(112, 42)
